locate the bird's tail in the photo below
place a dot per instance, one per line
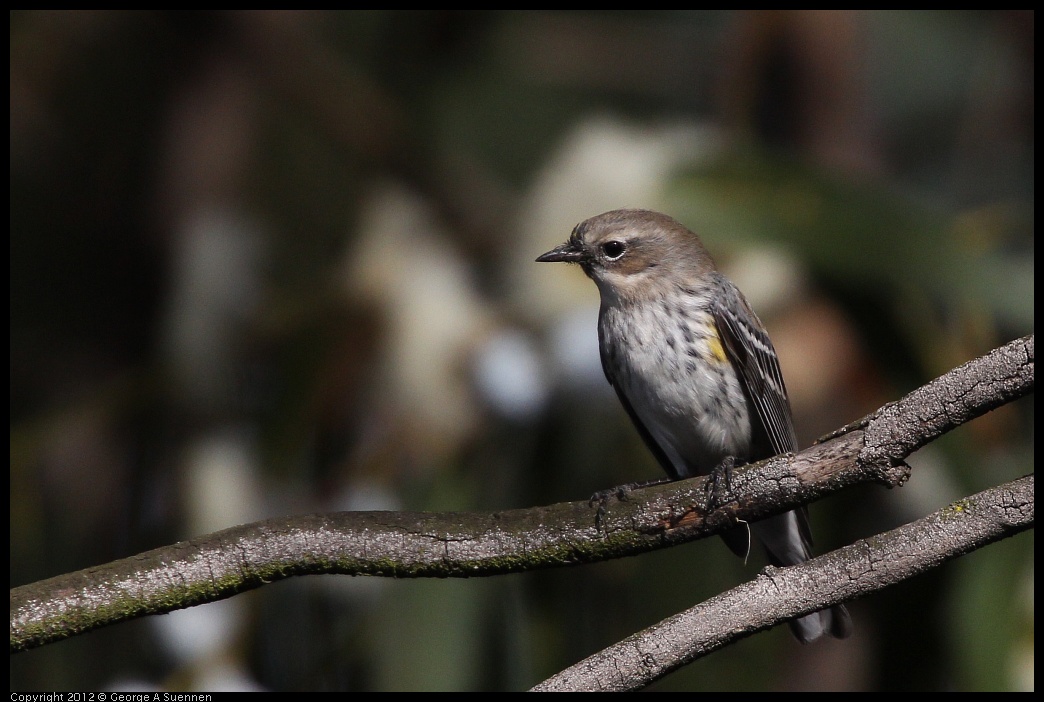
(836, 622)
(787, 540)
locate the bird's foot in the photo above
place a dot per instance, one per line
(620, 492)
(719, 483)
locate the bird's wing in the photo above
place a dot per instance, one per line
(752, 353)
(754, 358)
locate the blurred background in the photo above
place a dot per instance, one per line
(273, 263)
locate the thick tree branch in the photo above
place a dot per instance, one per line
(400, 544)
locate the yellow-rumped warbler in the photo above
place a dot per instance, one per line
(693, 366)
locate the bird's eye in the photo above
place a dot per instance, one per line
(613, 249)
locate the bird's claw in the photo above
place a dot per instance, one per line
(620, 492)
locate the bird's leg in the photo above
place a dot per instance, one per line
(719, 483)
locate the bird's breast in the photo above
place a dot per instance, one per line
(666, 357)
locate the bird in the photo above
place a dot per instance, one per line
(693, 367)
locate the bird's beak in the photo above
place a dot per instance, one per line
(566, 252)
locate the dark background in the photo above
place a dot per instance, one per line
(274, 263)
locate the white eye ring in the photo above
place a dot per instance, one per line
(614, 249)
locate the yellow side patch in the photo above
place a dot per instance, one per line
(716, 349)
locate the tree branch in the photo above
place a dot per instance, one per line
(403, 544)
(780, 594)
